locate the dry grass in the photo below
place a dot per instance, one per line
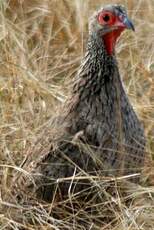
(41, 45)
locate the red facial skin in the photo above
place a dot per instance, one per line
(111, 37)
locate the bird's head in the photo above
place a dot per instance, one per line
(108, 23)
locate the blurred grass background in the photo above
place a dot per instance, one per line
(41, 44)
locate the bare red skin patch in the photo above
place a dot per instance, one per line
(110, 40)
(107, 18)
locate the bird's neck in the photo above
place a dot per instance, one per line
(98, 70)
(97, 89)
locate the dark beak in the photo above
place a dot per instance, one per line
(128, 23)
(124, 22)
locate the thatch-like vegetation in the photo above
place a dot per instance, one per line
(41, 44)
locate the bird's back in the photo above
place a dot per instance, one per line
(99, 132)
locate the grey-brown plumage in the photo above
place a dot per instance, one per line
(100, 134)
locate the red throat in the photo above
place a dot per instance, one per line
(110, 40)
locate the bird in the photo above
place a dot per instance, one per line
(98, 132)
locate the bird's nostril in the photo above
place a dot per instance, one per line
(121, 17)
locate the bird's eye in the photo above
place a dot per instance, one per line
(106, 18)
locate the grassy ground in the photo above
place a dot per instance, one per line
(41, 44)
